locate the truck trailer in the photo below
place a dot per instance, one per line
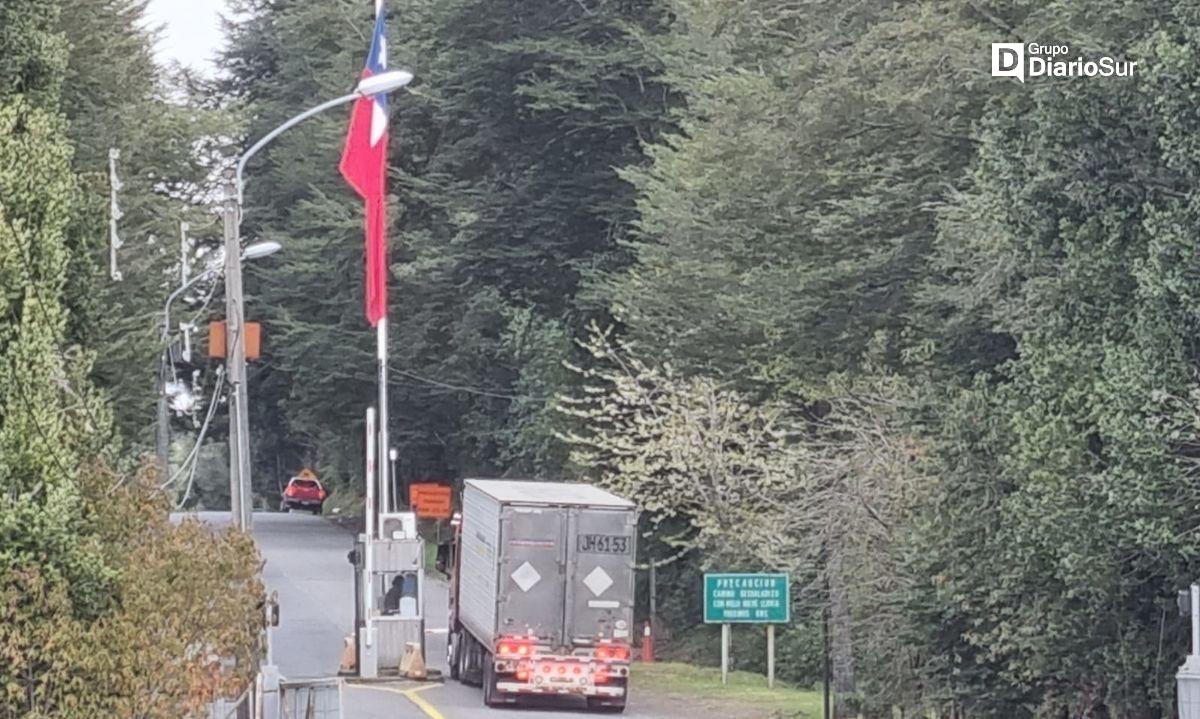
(542, 592)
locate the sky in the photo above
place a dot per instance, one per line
(191, 31)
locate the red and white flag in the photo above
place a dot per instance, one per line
(364, 165)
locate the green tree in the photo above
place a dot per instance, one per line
(505, 194)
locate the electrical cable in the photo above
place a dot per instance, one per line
(469, 390)
(212, 407)
(193, 455)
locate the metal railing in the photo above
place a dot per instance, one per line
(240, 708)
(311, 699)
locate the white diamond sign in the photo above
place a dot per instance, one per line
(598, 581)
(526, 576)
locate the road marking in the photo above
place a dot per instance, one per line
(412, 695)
(429, 709)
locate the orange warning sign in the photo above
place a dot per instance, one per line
(430, 501)
(306, 473)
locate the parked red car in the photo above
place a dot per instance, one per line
(303, 493)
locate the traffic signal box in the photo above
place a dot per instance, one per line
(216, 340)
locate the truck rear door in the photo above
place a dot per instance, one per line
(532, 565)
(600, 573)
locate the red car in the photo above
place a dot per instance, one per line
(303, 493)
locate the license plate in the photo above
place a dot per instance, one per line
(603, 544)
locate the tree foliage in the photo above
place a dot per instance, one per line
(938, 327)
(100, 614)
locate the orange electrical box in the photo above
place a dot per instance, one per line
(430, 501)
(216, 340)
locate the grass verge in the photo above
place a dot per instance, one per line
(745, 696)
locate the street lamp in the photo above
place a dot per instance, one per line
(252, 252)
(239, 414)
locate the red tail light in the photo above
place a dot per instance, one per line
(601, 677)
(514, 648)
(617, 653)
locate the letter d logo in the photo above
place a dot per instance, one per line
(1008, 60)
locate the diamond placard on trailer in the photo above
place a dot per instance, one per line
(598, 581)
(526, 576)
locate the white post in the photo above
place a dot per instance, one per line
(381, 340)
(368, 565)
(1187, 679)
(184, 251)
(770, 656)
(1196, 620)
(724, 653)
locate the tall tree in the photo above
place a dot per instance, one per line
(505, 194)
(1065, 518)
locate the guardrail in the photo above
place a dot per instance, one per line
(240, 708)
(311, 699)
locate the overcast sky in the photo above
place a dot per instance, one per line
(191, 30)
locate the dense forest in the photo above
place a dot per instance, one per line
(98, 588)
(800, 277)
(804, 280)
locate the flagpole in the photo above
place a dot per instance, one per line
(381, 341)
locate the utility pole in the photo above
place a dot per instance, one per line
(235, 360)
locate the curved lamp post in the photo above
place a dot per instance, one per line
(239, 424)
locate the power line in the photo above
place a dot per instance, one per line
(193, 455)
(469, 390)
(212, 410)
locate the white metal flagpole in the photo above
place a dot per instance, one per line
(381, 338)
(368, 563)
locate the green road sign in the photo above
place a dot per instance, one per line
(747, 599)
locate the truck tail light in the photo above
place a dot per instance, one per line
(601, 676)
(615, 653)
(514, 649)
(522, 676)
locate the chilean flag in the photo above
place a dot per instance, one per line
(364, 165)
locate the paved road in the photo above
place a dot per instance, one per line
(306, 564)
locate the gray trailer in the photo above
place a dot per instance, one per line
(541, 591)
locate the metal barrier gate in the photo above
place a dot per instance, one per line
(240, 708)
(311, 699)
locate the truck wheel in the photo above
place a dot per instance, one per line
(489, 682)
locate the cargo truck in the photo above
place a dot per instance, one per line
(542, 591)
